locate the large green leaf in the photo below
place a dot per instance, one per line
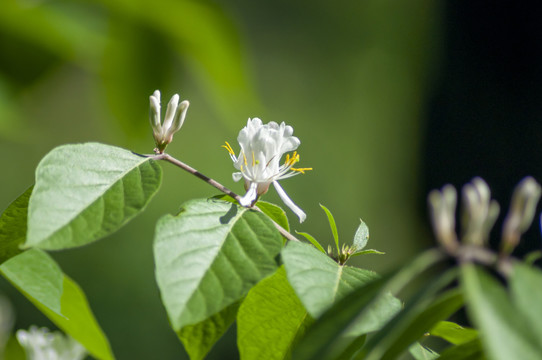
(526, 292)
(412, 323)
(319, 281)
(320, 341)
(198, 339)
(39, 278)
(84, 192)
(270, 320)
(502, 328)
(13, 226)
(209, 256)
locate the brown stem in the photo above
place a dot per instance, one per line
(218, 186)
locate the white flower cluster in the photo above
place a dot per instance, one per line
(41, 344)
(262, 147)
(173, 121)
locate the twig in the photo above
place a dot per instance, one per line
(216, 185)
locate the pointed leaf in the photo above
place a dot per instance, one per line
(87, 191)
(37, 276)
(270, 320)
(59, 298)
(199, 339)
(368, 251)
(361, 237)
(13, 226)
(312, 241)
(209, 256)
(333, 227)
(319, 282)
(453, 333)
(502, 328)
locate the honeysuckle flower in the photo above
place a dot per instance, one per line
(41, 344)
(521, 213)
(479, 212)
(442, 204)
(174, 119)
(262, 147)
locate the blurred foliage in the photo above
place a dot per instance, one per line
(351, 78)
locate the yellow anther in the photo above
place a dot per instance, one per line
(253, 159)
(301, 170)
(291, 160)
(229, 148)
(245, 159)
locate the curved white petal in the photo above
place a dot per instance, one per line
(170, 112)
(300, 214)
(250, 196)
(237, 176)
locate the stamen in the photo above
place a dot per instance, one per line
(245, 158)
(229, 148)
(253, 159)
(301, 170)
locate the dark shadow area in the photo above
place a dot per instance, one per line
(232, 212)
(486, 111)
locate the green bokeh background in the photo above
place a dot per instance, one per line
(352, 78)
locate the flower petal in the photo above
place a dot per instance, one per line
(250, 196)
(300, 214)
(170, 112)
(237, 176)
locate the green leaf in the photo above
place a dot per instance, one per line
(275, 213)
(39, 278)
(13, 226)
(526, 292)
(319, 282)
(312, 240)
(199, 339)
(361, 237)
(502, 328)
(333, 227)
(78, 321)
(209, 256)
(270, 320)
(321, 338)
(368, 251)
(87, 191)
(420, 352)
(453, 333)
(328, 330)
(471, 350)
(413, 322)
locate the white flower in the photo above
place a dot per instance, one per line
(262, 147)
(174, 119)
(40, 344)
